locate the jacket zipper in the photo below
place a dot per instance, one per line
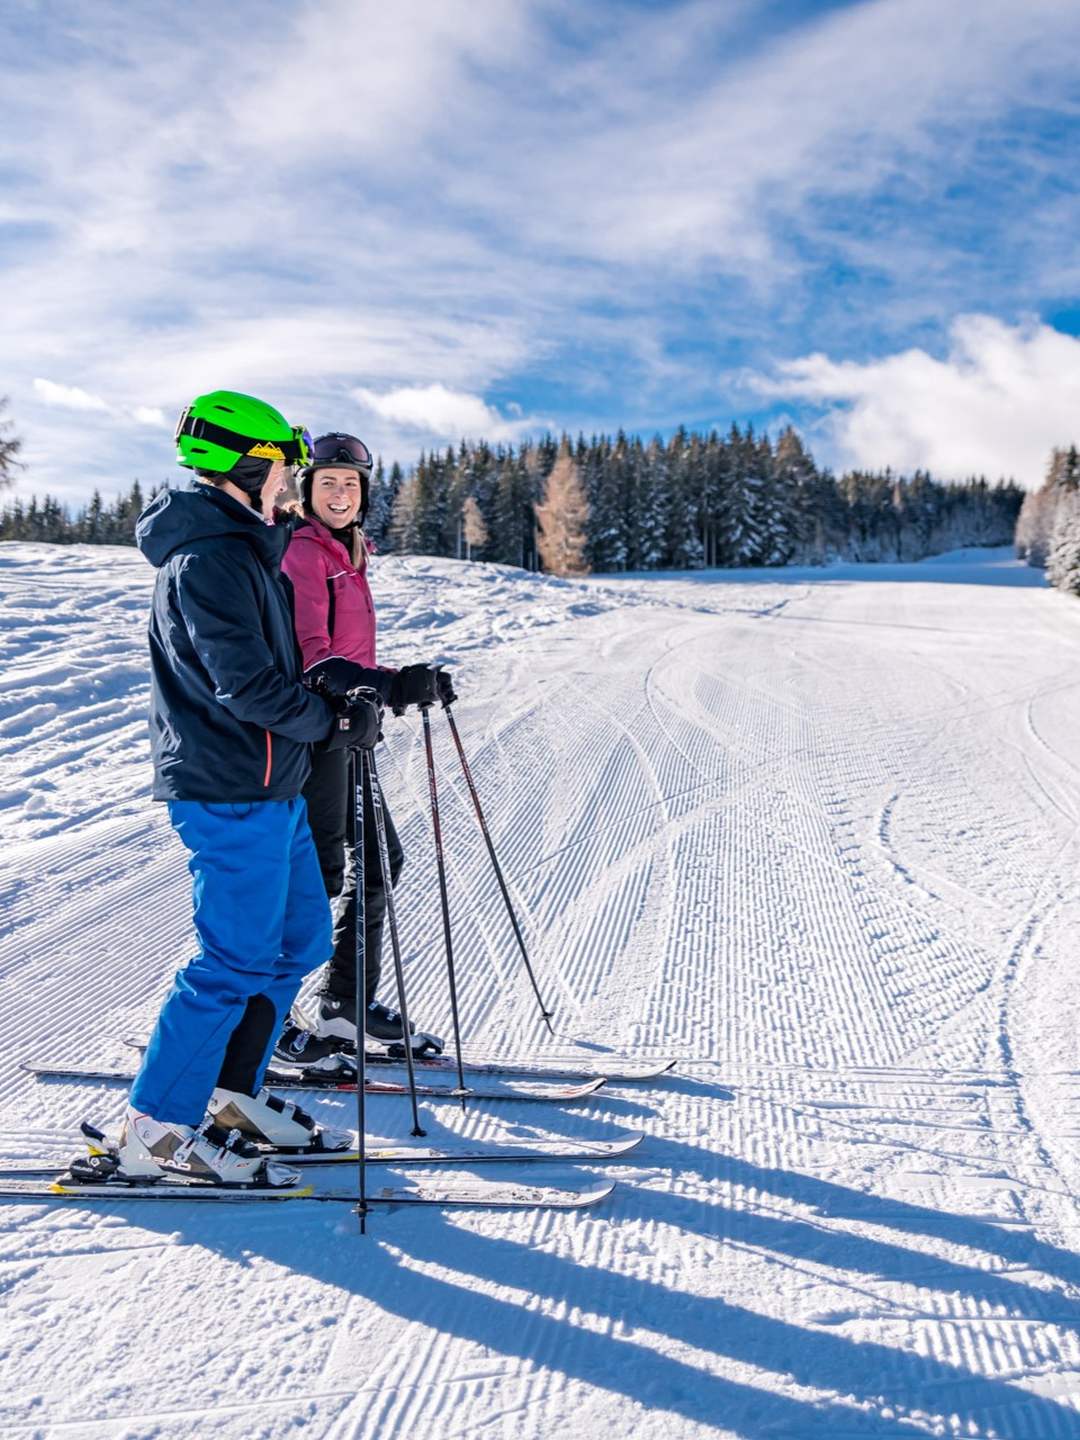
(269, 758)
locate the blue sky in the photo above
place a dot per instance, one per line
(490, 217)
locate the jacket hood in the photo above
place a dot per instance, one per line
(177, 519)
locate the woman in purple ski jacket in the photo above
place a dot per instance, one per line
(326, 563)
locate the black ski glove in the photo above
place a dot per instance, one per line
(447, 693)
(414, 685)
(358, 724)
(337, 676)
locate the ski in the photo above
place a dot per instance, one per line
(323, 1080)
(488, 1197)
(524, 1069)
(596, 1151)
(620, 1069)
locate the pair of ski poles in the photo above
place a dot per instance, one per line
(366, 775)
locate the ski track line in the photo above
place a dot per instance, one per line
(557, 891)
(1012, 963)
(1021, 957)
(867, 978)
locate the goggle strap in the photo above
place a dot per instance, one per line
(292, 449)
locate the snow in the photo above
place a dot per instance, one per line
(813, 832)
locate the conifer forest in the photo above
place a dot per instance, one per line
(621, 503)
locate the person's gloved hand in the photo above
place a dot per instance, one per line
(358, 723)
(336, 676)
(447, 694)
(414, 685)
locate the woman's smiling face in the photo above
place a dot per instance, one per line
(336, 495)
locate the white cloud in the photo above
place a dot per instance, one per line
(856, 99)
(446, 415)
(148, 415)
(490, 194)
(379, 77)
(68, 397)
(998, 402)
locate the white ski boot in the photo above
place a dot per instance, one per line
(273, 1123)
(155, 1149)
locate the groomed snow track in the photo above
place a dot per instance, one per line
(817, 833)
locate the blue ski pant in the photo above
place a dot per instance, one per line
(263, 922)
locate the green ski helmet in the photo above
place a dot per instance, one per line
(229, 434)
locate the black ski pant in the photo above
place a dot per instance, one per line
(331, 815)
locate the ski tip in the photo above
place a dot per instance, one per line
(582, 1199)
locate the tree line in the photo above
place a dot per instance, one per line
(696, 500)
(94, 524)
(1048, 526)
(617, 503)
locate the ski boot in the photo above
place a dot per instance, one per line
(384, 1025)
(150, 1149)
(299, 1049)
(336, 1017)
(270, 1123)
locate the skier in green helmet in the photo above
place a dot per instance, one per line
(232, 729)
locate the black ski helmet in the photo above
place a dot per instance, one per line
(333, 451)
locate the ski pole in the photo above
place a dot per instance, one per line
(372, 776)
(360, 955)
(544, 1011)
(441, 863)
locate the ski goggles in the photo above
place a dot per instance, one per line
(294, 452)
(340, 449)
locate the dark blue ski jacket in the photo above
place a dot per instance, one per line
(229, 718)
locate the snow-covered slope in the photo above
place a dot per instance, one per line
(814, 832)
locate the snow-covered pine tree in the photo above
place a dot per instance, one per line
(380, 505)
(923, 512)
(869, 500)
(458, 479)
(682, 535)
(1063, 549)
(653, 500)
(606, 548)
(1038, 514)
(511, 527)
(635, 483)
(624, 480)
(404, 531)
(744, 540)
(432, 482)
(708, 471)
(803, 497)
(775, 522)
(92, 521)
